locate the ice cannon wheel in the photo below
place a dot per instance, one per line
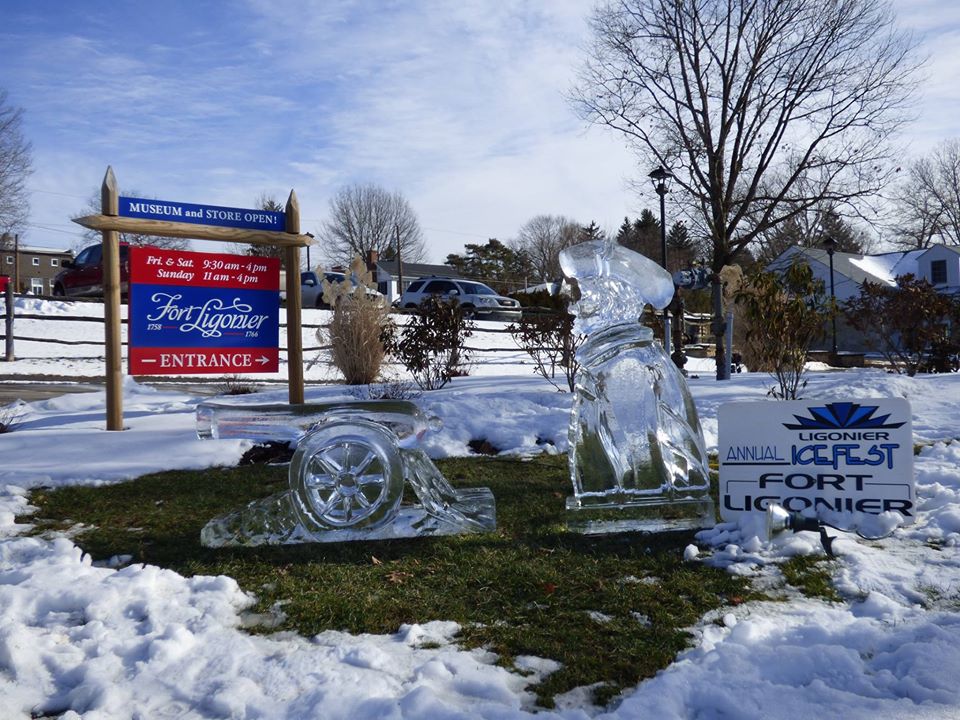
(346, 474)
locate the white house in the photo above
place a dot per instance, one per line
(939, 265)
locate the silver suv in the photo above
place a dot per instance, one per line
(474, 297)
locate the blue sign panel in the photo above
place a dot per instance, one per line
(182, 316)
(202, 214)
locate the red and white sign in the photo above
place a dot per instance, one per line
(172, 361)
(203, 313)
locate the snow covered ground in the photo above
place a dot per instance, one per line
(79, 640)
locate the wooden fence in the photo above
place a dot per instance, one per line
(10, 335)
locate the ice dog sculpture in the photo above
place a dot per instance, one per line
(346, 478)
(637, 457)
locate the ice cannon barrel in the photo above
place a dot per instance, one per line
(220, 420)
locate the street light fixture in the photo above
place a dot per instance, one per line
(831, 245)
(661, 179)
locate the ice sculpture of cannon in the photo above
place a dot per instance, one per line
(347, 476)
(637, 457)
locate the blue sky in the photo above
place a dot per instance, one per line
(458, 105)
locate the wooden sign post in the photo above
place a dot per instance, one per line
(191, 225)
(109, 207)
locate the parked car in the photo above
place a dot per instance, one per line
(477, 300)
(311, 288)
(84, 274)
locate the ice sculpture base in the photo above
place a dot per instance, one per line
(273, 521)
(603, 517)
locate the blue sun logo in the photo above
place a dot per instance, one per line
(842, 415)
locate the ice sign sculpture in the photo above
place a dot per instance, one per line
(637, 457)
(347, 476)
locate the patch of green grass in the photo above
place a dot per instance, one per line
(940, 597)
(527, 589)
(810, 574)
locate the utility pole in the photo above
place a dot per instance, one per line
(396, 227)
(8, 323)
(16, 263)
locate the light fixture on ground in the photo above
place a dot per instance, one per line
(779, 519)
(661, 180)
(831, 245)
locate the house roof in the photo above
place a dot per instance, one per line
(33, 250)
(880, 268)
(955, 249)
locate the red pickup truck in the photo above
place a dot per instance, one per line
(84, 274)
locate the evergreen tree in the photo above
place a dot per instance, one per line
(849, 238)
(625, 233)
(493, 263)
(810, 230)
(590, 232)
(681, 250)
(270, 204)
(646, 235)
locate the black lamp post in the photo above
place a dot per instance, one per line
(831, 245)
(661, 177)
(309, 235)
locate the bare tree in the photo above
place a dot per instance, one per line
(762, 108)
(542, 238)
(927, 202)
(16, 164)
(89, 236)
(368, 217)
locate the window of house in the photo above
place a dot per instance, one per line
(35, 262)
(54, 262)
(938, 272)
(36, 286)
(9, 260)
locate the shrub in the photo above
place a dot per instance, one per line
(235, 385)
(547, 336)
(10, 416)
(909, 324)
(387, 390)
(355, 330)
(430, 345)
(785, 313)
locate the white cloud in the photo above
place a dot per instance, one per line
(458, 105)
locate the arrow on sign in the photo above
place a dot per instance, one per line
(263, 360)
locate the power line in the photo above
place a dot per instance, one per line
(431, 229)
(51, 192)
(458, 232)
(51, 228)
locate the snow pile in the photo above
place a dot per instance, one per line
(146, 642)
(871, 660)
(62, 441)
